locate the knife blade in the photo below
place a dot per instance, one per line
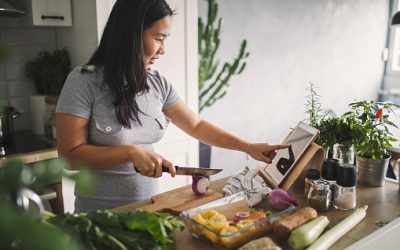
(193, 171)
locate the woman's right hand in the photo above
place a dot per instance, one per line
(149, 163)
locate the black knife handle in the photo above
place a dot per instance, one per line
(164, 169)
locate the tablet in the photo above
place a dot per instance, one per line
(299, 139)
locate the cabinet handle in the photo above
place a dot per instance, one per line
(53, 17)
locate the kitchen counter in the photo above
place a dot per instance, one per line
(383, 205)
(28, 147)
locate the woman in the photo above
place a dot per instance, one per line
(112, 110)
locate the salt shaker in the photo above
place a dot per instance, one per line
(345, 196)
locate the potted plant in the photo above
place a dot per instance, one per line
(336, 133)
(370, 121)
(214, 79)
(48, 72)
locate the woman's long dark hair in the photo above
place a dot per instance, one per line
(121, 53)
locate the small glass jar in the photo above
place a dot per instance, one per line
(319, 195)
(345, 197)
(311, 175)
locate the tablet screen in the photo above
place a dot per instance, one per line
(299, 139)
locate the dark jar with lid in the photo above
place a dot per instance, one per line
(311, 175)
(345, 197)
(329, 173)
(319, 195)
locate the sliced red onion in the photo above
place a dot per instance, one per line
(200, 184)
(280, 199)
(241, 216)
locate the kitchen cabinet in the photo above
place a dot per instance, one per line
(46, 12)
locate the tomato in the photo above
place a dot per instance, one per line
(257, 215)
(379, 113)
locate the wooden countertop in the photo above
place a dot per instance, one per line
(383, 205)
(28, 147)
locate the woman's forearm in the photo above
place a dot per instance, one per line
(99, 157)
(212, 135)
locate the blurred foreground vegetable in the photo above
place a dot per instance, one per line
(20, 228)
(105, 229)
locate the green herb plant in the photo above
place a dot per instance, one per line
(49, 71)
(370, 121)
(313, 106)
(213, 80)
(104, 229)
(333, 130)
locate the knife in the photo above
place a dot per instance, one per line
(193, 171)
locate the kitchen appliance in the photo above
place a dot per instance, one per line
(193, 171)
(7, 10)
(7, 115)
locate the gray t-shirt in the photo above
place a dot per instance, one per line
(86, 95)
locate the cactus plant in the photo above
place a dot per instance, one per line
(213, 80)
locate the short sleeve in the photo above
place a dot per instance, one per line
(168, 92)
(76, 97)
(171, 96)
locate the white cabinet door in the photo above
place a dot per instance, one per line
(45, 12)
(51, 12)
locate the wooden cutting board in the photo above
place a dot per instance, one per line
(181, 199)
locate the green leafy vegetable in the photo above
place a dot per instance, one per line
(381, 223)
(104, 229)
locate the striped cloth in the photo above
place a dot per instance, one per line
(251, 183)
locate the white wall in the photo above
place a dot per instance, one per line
(336, 44)
(80, 39)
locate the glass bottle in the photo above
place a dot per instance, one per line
(344, 153)
(345, 197)
(49, 118)
(319, 195)
(311, 175)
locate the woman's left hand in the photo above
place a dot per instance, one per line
(263, 151)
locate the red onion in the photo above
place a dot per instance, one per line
(241, 216)
(200, 184)
(280, 199)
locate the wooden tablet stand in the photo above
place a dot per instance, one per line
(311, 159)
